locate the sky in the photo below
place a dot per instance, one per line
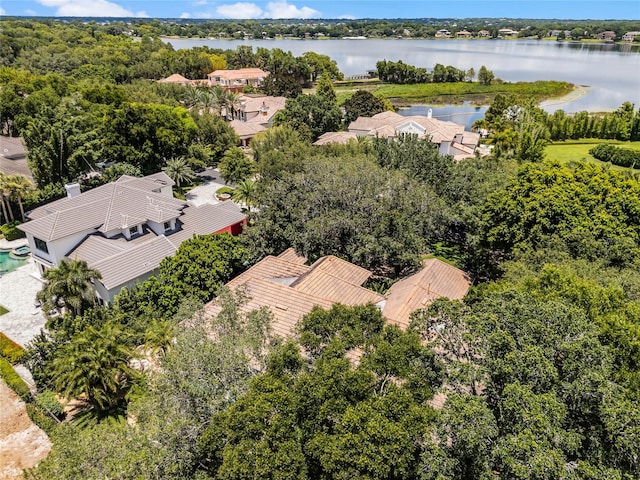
(308, 9)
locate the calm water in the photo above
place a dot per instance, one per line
(8, 264)
(611, 72)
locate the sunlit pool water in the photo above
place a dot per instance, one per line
(8, 264)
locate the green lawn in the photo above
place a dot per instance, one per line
(578, 150)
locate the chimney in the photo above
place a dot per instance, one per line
(429, 113)
(73, 189)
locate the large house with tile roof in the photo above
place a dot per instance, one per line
(451, 138)
(123, 229)
(290, 289)
(255, 113)
(236, 80)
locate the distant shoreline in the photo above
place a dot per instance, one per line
(314, 39)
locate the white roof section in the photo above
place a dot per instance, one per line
(127, 202)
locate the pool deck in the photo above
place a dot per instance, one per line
(18, 294)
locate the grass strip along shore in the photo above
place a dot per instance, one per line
(455, 93)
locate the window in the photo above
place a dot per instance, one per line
(167, 226)
(133, 230)
(41, 245)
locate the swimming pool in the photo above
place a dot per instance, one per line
(8, 264)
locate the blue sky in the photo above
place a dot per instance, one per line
(564, 9)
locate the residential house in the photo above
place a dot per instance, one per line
(443, 33)
(436, 279)
(176, 79)
(236, 80)
(630, 36)
(464, 34)
(123, 229)
(484, 33)
(451, 138)
(290, 289)
(254, 114)
(507, 32)
(13, 157)
(606, 35)
(336, 137)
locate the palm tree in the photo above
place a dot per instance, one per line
(245, 192)
(219, 94)
(232, 104)
(95, 365)
(159, 336)
(19, 187)
(4, 198)
(179, 171)
(68, 287)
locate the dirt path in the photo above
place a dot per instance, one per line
(22, 443)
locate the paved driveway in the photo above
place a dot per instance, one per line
(206, 191)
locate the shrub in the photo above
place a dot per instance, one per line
(47, 401)
(10, 231)
(622, 157)
(13, 380)
(41, 418)
(10, 349)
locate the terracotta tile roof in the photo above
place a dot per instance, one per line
(390, 124)
(341, 268)
(335, 137)
(287, 305)
(290, 255)
(175, 78)
(384, 131)
(254, 102)
(240, 74)
(270, 267)
(246, 129)
(290, 289)
(436, 279)
(331, 287)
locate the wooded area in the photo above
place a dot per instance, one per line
(534, 375)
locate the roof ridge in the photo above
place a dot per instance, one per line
(307, 274)
(53, 225)
(132, 249)
(110, 203)
(280, 286)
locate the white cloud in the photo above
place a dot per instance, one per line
(286, 10)
(198, 3)
(240, 10)
(89, 8)
(347, 17)
(280, 9)
(185, 15)
(30, 12)
(2, 11)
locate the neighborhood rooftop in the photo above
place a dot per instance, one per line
(290, 289)
(123, 229)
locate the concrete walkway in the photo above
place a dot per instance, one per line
(18, 294)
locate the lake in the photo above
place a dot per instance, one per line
(611, 72)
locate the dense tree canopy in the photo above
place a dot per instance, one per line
(585, 211)
(535, 375)
(311, 115)
(354, 209)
